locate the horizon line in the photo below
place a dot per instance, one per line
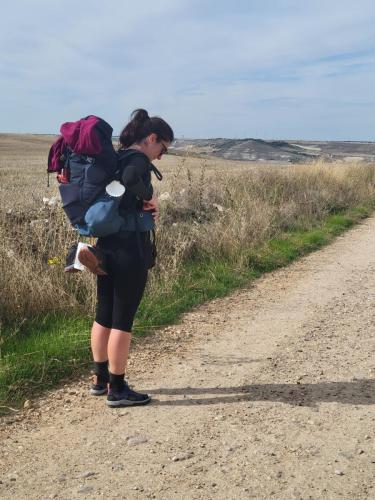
(215, 138)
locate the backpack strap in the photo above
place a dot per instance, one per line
(127, 153)
(138, 235)
(157, 172)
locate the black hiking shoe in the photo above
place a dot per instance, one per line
(98, 386)
(70, 258)
(93, 259)
(126, 397)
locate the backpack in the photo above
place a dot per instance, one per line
(85, 162)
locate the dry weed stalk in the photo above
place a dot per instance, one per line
(211, 210)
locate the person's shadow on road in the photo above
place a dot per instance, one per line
(356, 392)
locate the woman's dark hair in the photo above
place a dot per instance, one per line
(141, 125)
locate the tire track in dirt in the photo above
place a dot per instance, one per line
(267, 393)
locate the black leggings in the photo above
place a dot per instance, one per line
(120, 292)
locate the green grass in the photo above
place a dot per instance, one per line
(42, 352)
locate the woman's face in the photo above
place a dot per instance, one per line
(163, 146)
(156, 149)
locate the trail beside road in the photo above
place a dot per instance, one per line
(267, 393)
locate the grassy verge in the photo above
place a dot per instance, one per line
(44, 351)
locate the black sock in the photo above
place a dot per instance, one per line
(116, 381)
(101, 370)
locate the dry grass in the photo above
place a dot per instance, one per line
(208, 207)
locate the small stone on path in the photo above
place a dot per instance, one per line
(339, 472)
(88, 473)
(85, 489)
(133, 441)
(182, 456)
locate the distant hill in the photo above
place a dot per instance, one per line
(277, 151)
(288, 151)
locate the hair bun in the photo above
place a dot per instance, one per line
(139, 116)
(142, 125)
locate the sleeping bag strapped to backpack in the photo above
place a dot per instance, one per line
(85, 162)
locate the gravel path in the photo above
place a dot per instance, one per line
(267, 393)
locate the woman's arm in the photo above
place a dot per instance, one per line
(134, 177)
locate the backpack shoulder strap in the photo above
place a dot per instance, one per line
(157, 172)
(128, 153)
(121, 157)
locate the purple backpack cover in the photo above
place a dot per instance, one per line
(85, 161)
(90, 136)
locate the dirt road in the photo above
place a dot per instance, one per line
(268, 393)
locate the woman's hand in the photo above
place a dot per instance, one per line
(152, 206)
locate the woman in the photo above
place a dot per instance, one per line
(128, 256)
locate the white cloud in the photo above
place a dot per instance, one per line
(262, 68)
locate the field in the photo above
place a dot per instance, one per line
(222, 223)
(35, 233)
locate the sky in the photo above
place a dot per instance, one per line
(266, 69)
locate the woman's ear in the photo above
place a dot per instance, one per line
(152, 138)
